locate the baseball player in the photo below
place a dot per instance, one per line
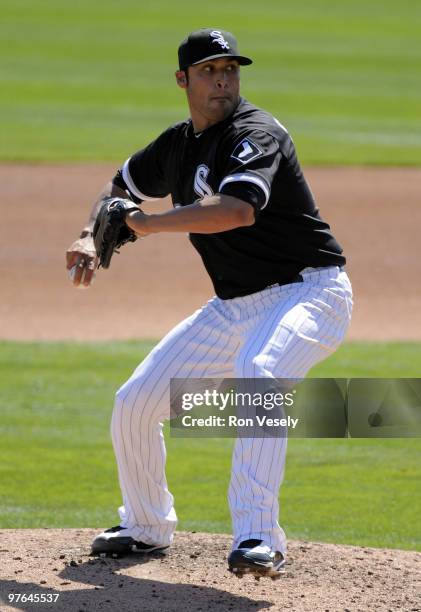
(283, 300)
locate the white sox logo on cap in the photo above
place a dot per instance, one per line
(199, 47)
(217, 35)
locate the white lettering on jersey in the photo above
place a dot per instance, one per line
(201, 188)
(246, 151)
(217, 35)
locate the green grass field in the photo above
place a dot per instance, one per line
(83, 81)
(57, 466)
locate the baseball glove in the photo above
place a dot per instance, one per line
(110, 230)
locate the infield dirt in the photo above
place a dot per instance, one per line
(375, 213)
(194, 576)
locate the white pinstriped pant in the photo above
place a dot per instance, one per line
(279, 332)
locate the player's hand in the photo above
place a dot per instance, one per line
(81, 261)
(136, 220)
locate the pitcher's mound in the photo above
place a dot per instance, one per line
(54, 567)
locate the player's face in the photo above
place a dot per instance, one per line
(213, 91)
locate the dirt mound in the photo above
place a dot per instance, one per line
(374, 212)
(193, 576)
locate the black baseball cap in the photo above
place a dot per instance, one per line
(208, 44)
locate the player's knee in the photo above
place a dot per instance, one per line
(120, 399)
(135, 402)
(120, 412)
(265, 366)
(255, 367)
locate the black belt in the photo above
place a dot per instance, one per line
(297, 279)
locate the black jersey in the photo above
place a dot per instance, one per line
(251, 156)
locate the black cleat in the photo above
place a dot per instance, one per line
(256, 558)
(117, 541)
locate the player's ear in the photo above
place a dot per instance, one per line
(181, 78)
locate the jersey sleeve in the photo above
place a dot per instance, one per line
(144, 173)
(252, 161)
